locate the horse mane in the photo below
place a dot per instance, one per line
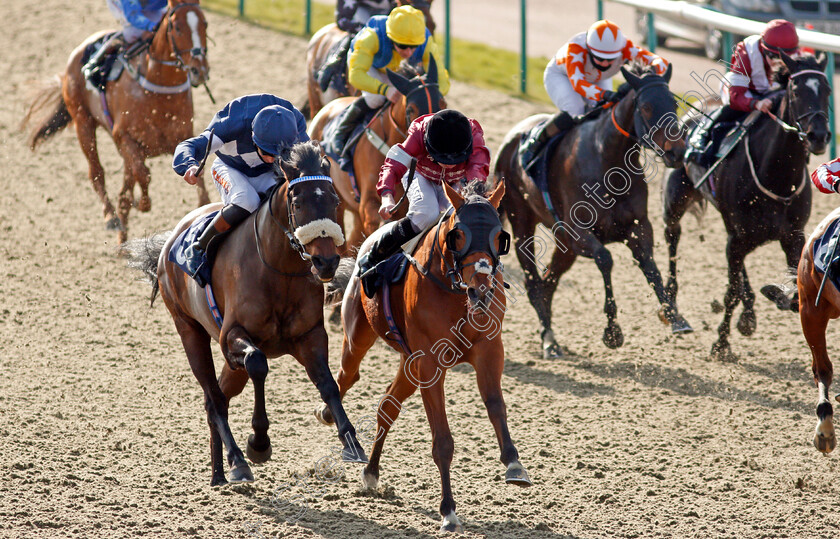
(641, 69)
(804, 61)
(409, 70)
(304, 157)
(474, 188)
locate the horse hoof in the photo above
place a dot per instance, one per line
(241, 474)
(452, 524)
(824, 444)
(218, 480)
(354, 454)
(517, 475)
(257, 456)
(722, 351)
(323, 414)
(114, 223)
(613, 337)
(369, 481)
(680, 325)
(746, 323)
(145, 204)
(335, 316)
(777, 295)
(552, 351)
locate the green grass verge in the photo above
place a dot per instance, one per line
(475, 63)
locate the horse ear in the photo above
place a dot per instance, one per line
(789, 62)
(453, 196)
(495, 197)
(668, 72)
(432, 74)
(402, 84)
(822, 61)
(631, 79)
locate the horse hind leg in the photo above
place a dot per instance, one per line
(136, 172)
(814, 323)
(86, 134)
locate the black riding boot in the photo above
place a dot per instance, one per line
(381, 250)
(334, 63)
(229, 217)
(530, 149)
(355, 112)
(91, 70)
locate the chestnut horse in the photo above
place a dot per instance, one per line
(320, 45)
(149, 108)
(762, 192)
(421, 95)
(455, 286)
(814, 319)
(596, 154)
(287, 250)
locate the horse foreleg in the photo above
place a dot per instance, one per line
(589, 246)
(389, 409)
(640, 242)
(488, 375)
(736, 251)
(201, 188)
(313, 353)
(369, 212)
(443, 447)
(135, 171)
(814, 323)
(196, 343)
(86, 134)
(747, 321)
(678, 195)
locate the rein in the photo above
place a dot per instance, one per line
(784, 200)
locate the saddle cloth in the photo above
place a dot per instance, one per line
(186, 238)
(328, 142)
(822, 251)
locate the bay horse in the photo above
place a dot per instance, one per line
(761, 190)
(287, 250)
(149, 108)
(452, 286)
(814, 319)
(598, 154)
(420, 95)
(319, 47)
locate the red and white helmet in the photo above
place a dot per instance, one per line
(605, 40)
(780, 34)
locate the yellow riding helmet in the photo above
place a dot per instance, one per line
(406, 26)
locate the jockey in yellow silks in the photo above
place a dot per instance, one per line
(383, 44)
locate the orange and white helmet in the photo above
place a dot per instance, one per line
(605, 40)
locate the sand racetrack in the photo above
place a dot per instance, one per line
(103, 426)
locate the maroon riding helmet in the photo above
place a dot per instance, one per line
(780, 35)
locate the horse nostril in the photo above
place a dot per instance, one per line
(472, 294)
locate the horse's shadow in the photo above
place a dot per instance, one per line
(323, 523)
(559, 383)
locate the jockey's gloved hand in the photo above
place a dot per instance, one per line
(608, 96)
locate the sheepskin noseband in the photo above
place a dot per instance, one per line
(320, 228)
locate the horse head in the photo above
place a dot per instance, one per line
(807, 97)
(311, 205)
(421, 93)
(474, 239)
(655, 113)
(426, 7)
(184, 31)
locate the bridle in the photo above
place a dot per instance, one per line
(808, 116)
(196, 52)
(430, 106)
(292, 222)
(640, 123)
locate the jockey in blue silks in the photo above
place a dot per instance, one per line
(249, 133)
(139, 19)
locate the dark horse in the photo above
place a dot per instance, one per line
(421, 95)
(321, 44)
(287, 250)
(147, 114)
(448, 309)
(814, 319)
(761, 190)
(601, 154)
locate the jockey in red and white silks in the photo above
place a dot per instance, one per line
(754, 61)
(581, 72)
(827, 176)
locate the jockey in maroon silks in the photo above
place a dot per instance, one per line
(448, 147)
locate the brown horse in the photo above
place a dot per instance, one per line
(287, 248)
(596, 155)
(149, 108)
(814, 320)
(320, 45)
(421, 95)
(455, 288)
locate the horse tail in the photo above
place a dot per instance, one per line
(336, 287)
(143, 255)
(47, 114)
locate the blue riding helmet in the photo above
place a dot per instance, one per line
(274, 129)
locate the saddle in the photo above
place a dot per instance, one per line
(333, 72)
(109, 69)
(345, 162)
(823, 246)
(704, 144)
